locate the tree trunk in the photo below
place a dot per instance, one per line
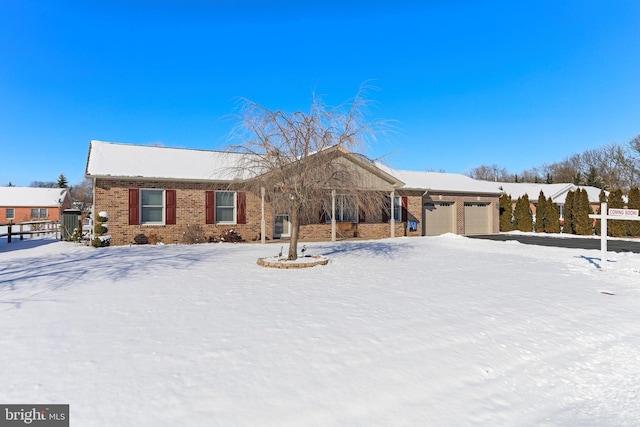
(295, 232)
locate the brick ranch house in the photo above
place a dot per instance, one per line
(158, 191)
(21, 204)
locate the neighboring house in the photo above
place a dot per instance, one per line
(557, 193)
(161, 191)
(18, 204)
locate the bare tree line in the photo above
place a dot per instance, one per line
(611, 166)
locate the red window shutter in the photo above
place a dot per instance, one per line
(210, 207)
(405, 210)
(134, 206)
(241, 205)
(170, 206)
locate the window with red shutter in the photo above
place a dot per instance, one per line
(170, 207)
(241, 204)
(134, 206)
(210, 207)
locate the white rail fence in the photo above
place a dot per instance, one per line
(29, 228)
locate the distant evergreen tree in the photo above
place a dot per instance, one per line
(602, 198)
(553, 217)
(541, 213)
(569, 225)
(593, 179)
(549, 179)
(577, 178)
(10, 184)
(634, 203)
(523, 215)
(616, 228)
(62, 181)
(581, 208)
(506, 213)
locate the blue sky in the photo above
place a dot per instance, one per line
(517, 84)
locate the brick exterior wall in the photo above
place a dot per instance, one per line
(112, 196)
(372, 227)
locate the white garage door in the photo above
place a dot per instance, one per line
(477, 218)
(439, 218)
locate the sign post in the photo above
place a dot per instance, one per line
(613, 213)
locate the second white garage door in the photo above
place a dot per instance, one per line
(439, 218)
(477, 218)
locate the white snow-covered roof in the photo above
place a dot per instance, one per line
(439, 181)
(593, 193)
(557, 192)
(14, 197)
(108, 159)
(532, 190)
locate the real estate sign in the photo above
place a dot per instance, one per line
(613, 214)
(623, 212)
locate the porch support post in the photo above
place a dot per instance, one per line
(333, 215)
(392, 221)
(263, 226)
(92, 220)
(603, 235)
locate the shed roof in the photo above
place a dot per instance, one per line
(31, 196)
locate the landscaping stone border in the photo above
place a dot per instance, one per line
(304, 262)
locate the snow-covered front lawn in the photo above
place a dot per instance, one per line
(432, 331)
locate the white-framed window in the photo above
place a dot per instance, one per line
(346, 209)
(152, 206)
(39, 213)
(397, 208)
(225, 207)
(10, 213)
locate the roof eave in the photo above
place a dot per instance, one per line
(163, 178)
(474, 192)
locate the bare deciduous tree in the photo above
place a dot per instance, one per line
(610, 166)
(490, 173)
(82, 195)
(609, 161)
(299, 157)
